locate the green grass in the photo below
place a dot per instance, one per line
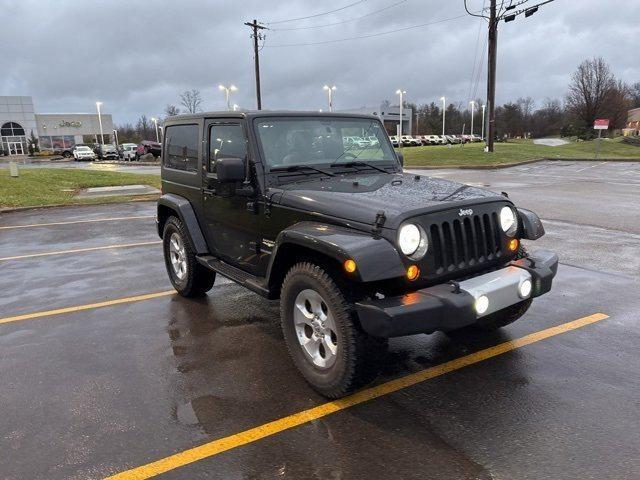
(513, 152)
(57, 186)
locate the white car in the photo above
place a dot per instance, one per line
(409, 140)
(434, 139)
(129, 151)
(83, 153)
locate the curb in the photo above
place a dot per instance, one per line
(132, 163)
(139, 198)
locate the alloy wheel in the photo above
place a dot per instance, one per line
(315, 328)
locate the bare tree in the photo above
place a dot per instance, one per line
(171, 110)
(592, 84)
(191, 100)
(619, 102)
(635, 95)
(144, 129)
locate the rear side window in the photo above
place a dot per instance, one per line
(181, 146)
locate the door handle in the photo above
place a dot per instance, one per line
(209, 191)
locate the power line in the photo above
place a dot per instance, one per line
(475, 56)
(317, 14)
(496, 14)
(388, 32)
(342, 22)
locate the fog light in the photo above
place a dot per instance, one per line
(513, 244)
(349, 266)
(412, 272)
(525, 288)
(482, 304)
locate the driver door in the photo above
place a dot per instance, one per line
(231, 223)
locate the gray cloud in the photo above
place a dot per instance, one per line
(138, 56)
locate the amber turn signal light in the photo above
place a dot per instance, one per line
(513, 244)
(350, 266)
(412, 272)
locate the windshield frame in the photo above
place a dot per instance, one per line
(279, 170)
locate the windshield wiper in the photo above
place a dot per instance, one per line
(297, 168)
(358, 163)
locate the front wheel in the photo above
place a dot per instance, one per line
(187, 276)
(322, 333)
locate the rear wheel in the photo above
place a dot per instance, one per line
(187, 276)
(322, 333)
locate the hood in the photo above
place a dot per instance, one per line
(359, 197)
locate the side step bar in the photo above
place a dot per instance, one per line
(252, 282)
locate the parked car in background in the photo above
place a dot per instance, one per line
(107, 152)
(128, 151)
(65, 152)
(475, 138)
(394, 141)
(453, 139)
(123, 146)
(434, 139)
(82, 152)
(147, 146)
(422, 138)
(409, 141)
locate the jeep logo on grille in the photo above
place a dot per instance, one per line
(462, 212)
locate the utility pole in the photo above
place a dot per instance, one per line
(491, 73)
(508, 12)
(256, 36)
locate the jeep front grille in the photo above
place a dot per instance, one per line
(466, 242)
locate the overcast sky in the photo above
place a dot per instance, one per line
(137, 56)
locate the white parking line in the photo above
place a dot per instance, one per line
(73, 222)
(80, 250)
(591, 166)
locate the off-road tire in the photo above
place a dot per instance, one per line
(358, 356)
(198, 279)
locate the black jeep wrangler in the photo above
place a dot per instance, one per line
(356, 250)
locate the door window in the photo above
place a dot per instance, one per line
(182, 147)
(225, 141)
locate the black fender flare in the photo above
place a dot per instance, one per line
(376, 258)
(531, 226)
(184, 210)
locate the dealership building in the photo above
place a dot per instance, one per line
(54, 131)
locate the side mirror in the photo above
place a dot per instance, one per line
(400, 157)
(230, 170)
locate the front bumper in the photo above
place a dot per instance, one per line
(452, 306)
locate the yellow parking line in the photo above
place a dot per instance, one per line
(254, 434)
(80, 250)
(89, 306)
(111, 219)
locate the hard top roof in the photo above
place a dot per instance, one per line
(262, 113)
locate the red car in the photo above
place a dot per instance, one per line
(147, 146)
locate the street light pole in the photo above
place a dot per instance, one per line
(100, 122)
(227, 91)
(482, 134)
(155, 122)
(330, 91)
(401, 93)
(115, 134)
(472, 103)
(444, 109)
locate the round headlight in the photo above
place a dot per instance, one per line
(508, 221)
(412, 241)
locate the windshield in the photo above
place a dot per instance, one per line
(83, 149)
(322, 140)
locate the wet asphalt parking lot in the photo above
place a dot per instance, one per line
(104, 371)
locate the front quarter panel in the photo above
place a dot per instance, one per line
(375, 257)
